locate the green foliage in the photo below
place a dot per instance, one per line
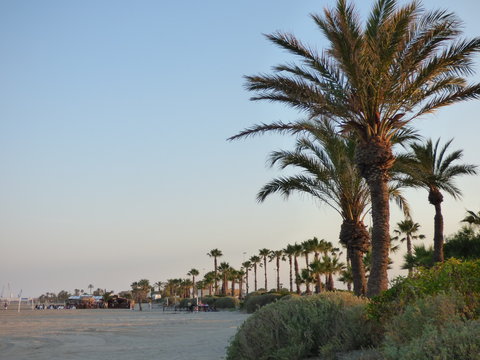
(451, 275)
(256, 300)
(465, 244)
(221, 302)
(457, 340)
(431, 311)
(303, 326)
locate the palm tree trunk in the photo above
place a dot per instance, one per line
(278, 273)
(246, 282)
(291, 272)
(255, 275)
(355, 236)
(436, 198)
(378, 280)
(216, 274)
(374, 158)
(265, 271)
(297, 276)
(233, 287)
(307, 283)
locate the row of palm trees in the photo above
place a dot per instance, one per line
(360, 96)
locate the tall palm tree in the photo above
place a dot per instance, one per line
(435, 170)
(264, 254)
(240, 277)
(329, 175)
(247, 265)
(278, 256)
(297, 251)
(255, 260)
(409, 229)
(373, 79)
(289, 253)
(215, 253)
(193, 273)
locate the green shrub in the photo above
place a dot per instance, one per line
(433, 311)
(455, 341)
(227, 302)
(223, 302)
(299, 327)
(452, 275)
(253, 302)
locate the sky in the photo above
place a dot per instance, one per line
(114, 164)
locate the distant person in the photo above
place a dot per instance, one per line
(5, 306)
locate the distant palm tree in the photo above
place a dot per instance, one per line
(193, 273)
(297, 251)
(409, 229)
(90, 287)
(373, 79)
(433, 169)
(240, 277)
(264, 254)
(317, 270)
(247, 265)
(215, 253)
(140, 290)
(290, 252)
(332, 265)
(224, 270)
(472, 218)
(346, 277)
(306, 250)
(277, 255)
(255, 260)
(209, 280)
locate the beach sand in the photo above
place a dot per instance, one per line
(115, 334)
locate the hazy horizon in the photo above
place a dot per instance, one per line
(113, 153)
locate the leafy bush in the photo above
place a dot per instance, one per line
(224, 302)
(433, 311)
(451, 275)
(299, 327)
(253, 302)
(457, 340)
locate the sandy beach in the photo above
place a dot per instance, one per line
(115, 334)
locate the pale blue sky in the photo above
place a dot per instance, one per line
(113, 159)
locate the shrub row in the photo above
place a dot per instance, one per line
(432, 316)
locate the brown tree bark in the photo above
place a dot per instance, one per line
(297, 276)
(355, 236)
(435, 198)
(374, 159)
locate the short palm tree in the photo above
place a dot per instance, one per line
(215, 253)
(224, 270)
(410, 229)
(373, 79)
(193, 273)
(140, 290)
(472, 218)
(317, 270)
(264, 254)
(255, 260)
(90, 287)
(435, 170)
